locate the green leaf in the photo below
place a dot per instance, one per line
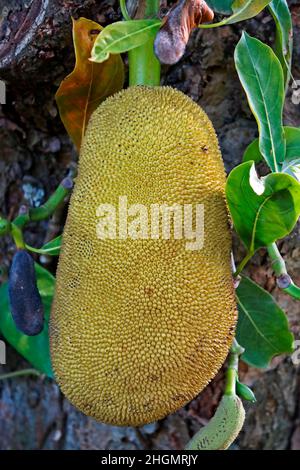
(122, 37)
(284, 35)
(261, 75)
(51, 248)
(242, 10)
(245, 392)
(221, 6)
(291, 164)
(262, 328)
(263, 210)
(34, 348)
(292, 168)
(252, 152)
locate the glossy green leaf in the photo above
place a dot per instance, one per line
(261, 75)
(242, 10)
(221, 6)
(34, 348)
(245, 392)
(262, 328)
(122, 37)
(252, 152)
(263, 210)
(291, 164)
(284, 35)
(51, 248)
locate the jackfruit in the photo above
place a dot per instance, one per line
(224, 427)
(140, 325)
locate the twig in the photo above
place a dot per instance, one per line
(20, 373)
(283, 279)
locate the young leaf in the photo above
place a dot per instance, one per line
(242, 10)
(263, 210)
(262, 328)
(284, 35)
(261, 75)
(89, 84)
(291, 164)
(34, 348)
(122, 37)
(51, 248)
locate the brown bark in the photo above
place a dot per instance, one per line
(36, 151)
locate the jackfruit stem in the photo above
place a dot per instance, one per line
(144, 67)
(233, 367)
(281, 273)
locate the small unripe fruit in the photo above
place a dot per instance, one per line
(25, 300)
(223, 428)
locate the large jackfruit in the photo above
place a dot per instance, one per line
(140, 326)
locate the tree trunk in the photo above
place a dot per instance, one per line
(36, 53)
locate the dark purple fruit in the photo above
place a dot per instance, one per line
(25, 300)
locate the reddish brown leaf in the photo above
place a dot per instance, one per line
(89, 84)
(172, 38)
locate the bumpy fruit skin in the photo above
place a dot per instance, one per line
(223, 428)
(139, 327)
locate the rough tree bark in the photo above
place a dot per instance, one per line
(35, 55)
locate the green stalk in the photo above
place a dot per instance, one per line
(233, 368)
(15, 228)
(281, 273)
(124, 10)
(48, 208)
(20, 373)
(144, 67)
(17, 235)
(242, 264)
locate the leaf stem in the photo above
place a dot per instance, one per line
(15, 228)
(243, 264)
(20, 373)
(46, 210)
(17, 235)
(124, 10)
(144, 67)
(284, 281)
